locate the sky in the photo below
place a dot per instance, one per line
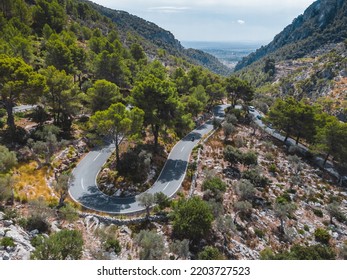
(254, 21)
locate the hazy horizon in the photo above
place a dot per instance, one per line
(231, 21)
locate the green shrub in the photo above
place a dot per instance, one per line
(255, 177)
(210, 253)
(249, 158)
(7, 242)
(317, 212)
(10, 214)
(259, 233)
(36, 222)
(113, 245)
(272, 168)
(306, 228)
(321, 235)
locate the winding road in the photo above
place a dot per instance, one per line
(84, 190)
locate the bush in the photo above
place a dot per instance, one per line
(192, 219)
(62, 245)
(249, 158)
(36, 222)
(214, 184)
(306, 228)
(298, 252)
(210, 253)
(113, 245)
(7, 242)
(317, 212)
(322, 236)
(68, 213)
(232, 155)
(255, 177)
(259, 233)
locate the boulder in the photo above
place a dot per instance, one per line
(8, 223)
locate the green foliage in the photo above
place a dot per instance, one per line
(102, 95)
(146, 200)
(232, 154)
(239, 89)
(19, 83)
(151, 244)
(317, 212)
(210, 253)
(298, 252)
(334, 210)
(162, 200)
(68, 213)
(180, 248)
(249, 158)
(245, 190)
(62, 245)
(7, 159)
(113, 245)
(321, 235)
(214, 184)
(50, 13)
(7, 242)
(259, 233)
(294, 118)
(192, 219)
(118, 122)
(256, 178)
(158, 99)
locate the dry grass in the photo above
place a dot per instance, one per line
(31, 183)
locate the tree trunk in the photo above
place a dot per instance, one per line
(326, 159)
(117, 151)
(286, 138)
(155, 130)
(10, 117)
(297, 140)
(61, 201)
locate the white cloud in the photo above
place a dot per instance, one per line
(168, 9)
(241, 22)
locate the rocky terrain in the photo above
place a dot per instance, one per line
(322, 23)
(260, 229)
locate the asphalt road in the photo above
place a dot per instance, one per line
(23, 108)
(329, 166)
(84, 190)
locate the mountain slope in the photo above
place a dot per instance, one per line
(324, 22)
(154, 37)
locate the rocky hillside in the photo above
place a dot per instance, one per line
(324, 22)
(153, 37)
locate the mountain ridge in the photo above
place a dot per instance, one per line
(323, 22)
(158, 38)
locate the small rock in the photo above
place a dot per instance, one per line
(1, 216)
(55, 226)
(335, 235)
(34, 232)
(125, 229)
(8, 223)
(2, 233)
(5, 256)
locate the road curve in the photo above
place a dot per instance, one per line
(83, 189)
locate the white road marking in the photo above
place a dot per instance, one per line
(176, 164)
(96, 156)
(182, 149)
(166, 186)
(82, 184)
